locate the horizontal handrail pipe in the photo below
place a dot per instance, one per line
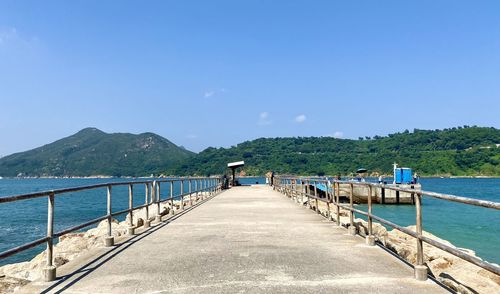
(448, 197)
(23, 247)
(204, 186)
(288, 186)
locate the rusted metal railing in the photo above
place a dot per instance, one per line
(285, 183)
(209, 186)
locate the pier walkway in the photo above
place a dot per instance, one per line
(245, 240)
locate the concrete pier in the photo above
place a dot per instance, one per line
(380, 195)
(249, 240)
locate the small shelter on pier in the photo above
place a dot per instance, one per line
(233, 166)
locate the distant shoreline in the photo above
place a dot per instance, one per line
(258, 176)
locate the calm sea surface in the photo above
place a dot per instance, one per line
(465, 226)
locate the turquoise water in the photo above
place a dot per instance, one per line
(25, 221)
(465, 226)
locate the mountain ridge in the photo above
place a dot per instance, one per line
(91, 152)
(458, 151)
(461, 151)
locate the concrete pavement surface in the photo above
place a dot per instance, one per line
(245, 240)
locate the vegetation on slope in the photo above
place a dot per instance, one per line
(457, 151)
(93, 152)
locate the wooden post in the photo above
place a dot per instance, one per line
(352, 228)
(308, 205)
(370, 228)
(351, 204)
(337, 204)
(109, 239)
(130, 205)
(294, 190)
(420, 268)
(420, 253)
(49, 272)
(328, 199)
(156, 189)
(154, 196)
(190, 195)
(146, 187)
(172, 196)
(202, 187)
(302, 190)
(370, 239)
(182, 194)
(316, 196)
(50, 229)
(196, 188)
(130, 229)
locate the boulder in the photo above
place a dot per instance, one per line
(10, 284)
(458, 274)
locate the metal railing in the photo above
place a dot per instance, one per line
(202, 187)
(288, 186)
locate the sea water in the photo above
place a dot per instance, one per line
(466, 226)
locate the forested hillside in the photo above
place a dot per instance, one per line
(93, 152)
(456, 151)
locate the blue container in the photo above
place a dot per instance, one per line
(403, 175)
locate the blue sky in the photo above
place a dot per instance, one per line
(216, 73)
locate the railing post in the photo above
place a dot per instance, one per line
(420, 268)
(370, 239)
(182, 194)
(200, 188)
(308, 205)
(205, 188)
(316, 197)
(156, 188)
(196, 188)
(147, 223)
(202, 184)
(337, 204)
(302, 189)
(287, 187)
(190, 195)
(352, 228)
(172, 196)
(131, 228)
(49, 272)
(109, 240)
(328, 199)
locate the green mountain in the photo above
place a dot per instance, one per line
(93, 152)
(457, 151)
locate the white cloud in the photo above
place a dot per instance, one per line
(338, 135)
(209, 94)
(11, 37)
(192, 136)
(7, 34)
(264, 119)
(300, 118)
